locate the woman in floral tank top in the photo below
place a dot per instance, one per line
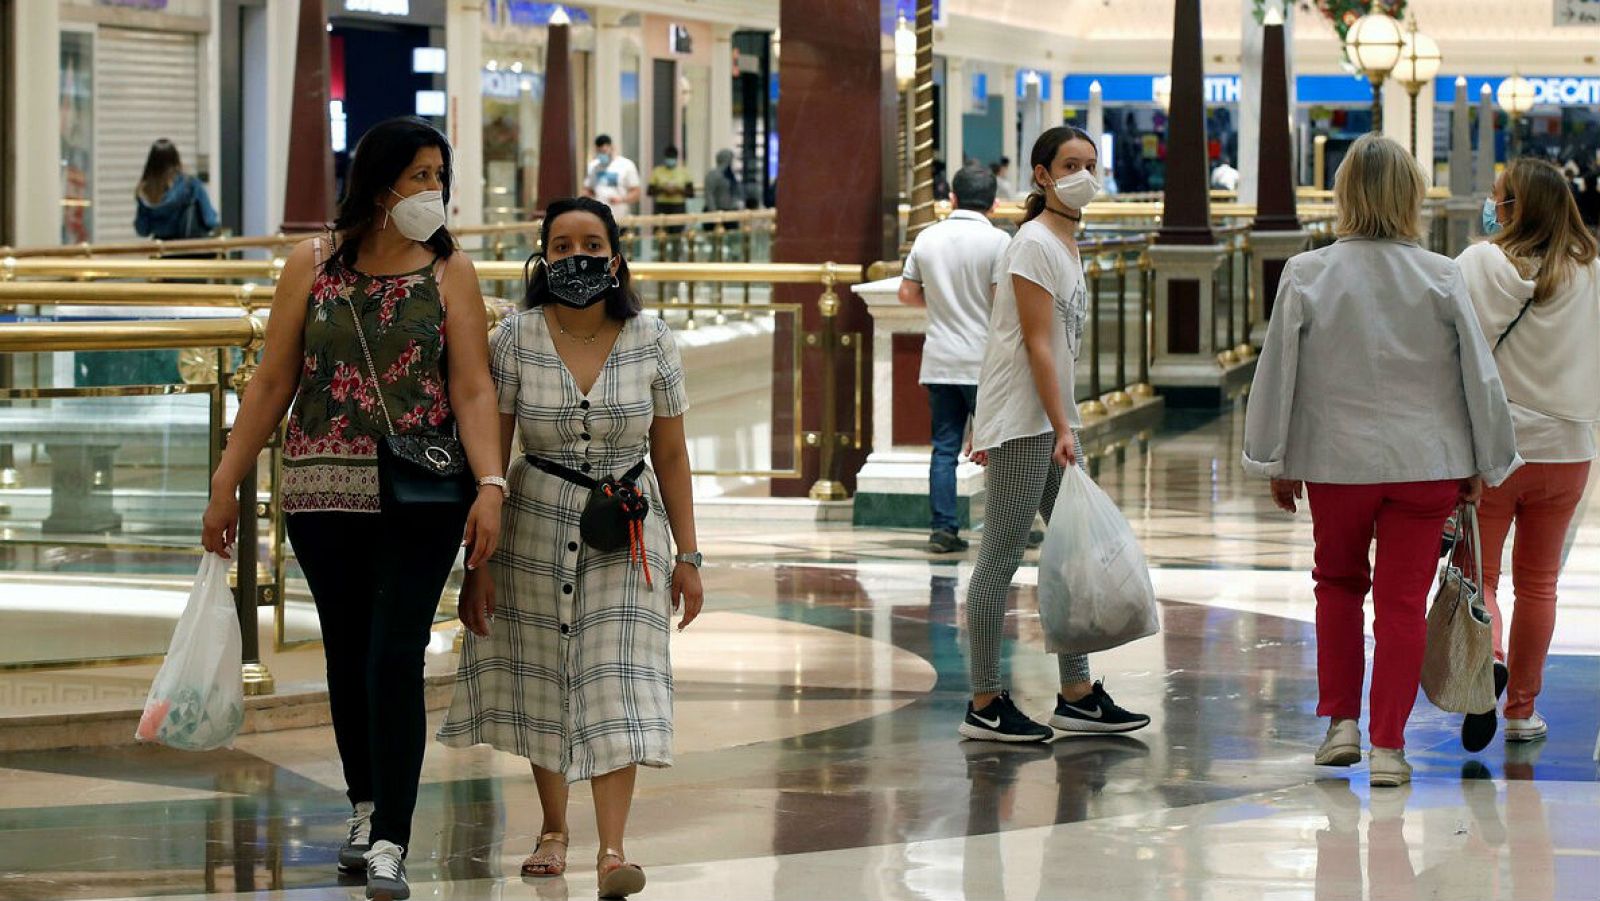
(375, 568)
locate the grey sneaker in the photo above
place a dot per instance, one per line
(386, 872)
(352, 854)
(1387, 768)
(1531, 729)
(946, 542)
(1342, 747)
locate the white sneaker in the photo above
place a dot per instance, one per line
(352, 855)
(1342, 746)
(1531, 729)
(1388, 768)
(386, 872)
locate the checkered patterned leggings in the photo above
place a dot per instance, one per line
(1021, 479)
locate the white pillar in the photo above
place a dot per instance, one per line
(1008, 130)
(1052, 104)
(36, 125)
(282, 21)
(1397, 120)
(1096, 117)
(464, 86)
(606, 85)
(721, 123)
(955, 104)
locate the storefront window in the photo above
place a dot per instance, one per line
(77, 135)
(513, 101)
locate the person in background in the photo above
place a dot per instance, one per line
(950, 271)
(1536, 287)
(1025, 428)
(1224, 177)
(1589, 199)
(670, 186)
(941, 184)
(1376, 397)
(1002, 174)
(356, 342)
(722, 189)
(612, 179)
(171, 204)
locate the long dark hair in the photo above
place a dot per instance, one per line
(161, 168)
(1044, 154)
(621, 300)
(382, 155)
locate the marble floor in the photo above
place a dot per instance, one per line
(817, 701)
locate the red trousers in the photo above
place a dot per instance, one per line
(1541, 498)
(1407, 519)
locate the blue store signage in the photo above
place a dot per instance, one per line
(1548, 90)
(1219, 88)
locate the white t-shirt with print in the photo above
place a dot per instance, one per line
(1008, 403)
(955, 261)
(613, 182)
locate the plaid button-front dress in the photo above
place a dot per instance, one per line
(576, 674)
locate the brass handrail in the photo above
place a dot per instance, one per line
(159, 248)
(175, 334)
(136, 294)
(97, 268)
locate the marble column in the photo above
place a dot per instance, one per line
(721, 114)
(1484, 181)
(955, 103)
(558, 164)
(1276, 234)
(1096, 124)
(1250, 79)
(1186, 254)
(308, 196)
(605, 87)
(1461, 208)
(838, 98)
(35, 192)
(464, 86)
(1021, 173)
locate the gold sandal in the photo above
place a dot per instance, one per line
(543, 863)
(622, 880)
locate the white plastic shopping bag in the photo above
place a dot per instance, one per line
(197, 700)
(1094, 584)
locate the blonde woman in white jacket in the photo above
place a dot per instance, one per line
(1536, 287)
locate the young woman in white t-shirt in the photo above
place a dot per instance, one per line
(1536, 287)
(1024, 425)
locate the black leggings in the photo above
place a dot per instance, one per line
(376, 580)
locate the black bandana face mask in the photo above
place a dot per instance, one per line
(580, 281)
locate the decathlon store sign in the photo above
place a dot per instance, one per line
(1547, 90)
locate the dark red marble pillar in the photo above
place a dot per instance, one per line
(1275, 200)
(308, 192)
(1186, 207)
(558, 164)
(836, 119)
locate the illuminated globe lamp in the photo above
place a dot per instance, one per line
(1373, 44)
(1418, 65)
(1516, 95)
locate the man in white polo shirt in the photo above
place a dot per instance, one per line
(950, 270)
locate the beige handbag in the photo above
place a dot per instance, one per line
(1458, 666)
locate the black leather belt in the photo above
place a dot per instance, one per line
(576, 477)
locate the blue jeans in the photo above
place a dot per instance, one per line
(952, 406)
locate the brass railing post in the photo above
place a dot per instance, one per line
(257, 678)
(1143, 387)
(827, 487)
(1093, 406)
(1119, 397)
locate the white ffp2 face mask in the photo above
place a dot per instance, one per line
(420, 215)
(1078, 189)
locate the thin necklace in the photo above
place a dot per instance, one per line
(587, 339)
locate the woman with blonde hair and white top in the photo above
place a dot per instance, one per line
(1536, 287)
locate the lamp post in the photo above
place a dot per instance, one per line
(1516, 96)
(1417, 66)
(1373, 44)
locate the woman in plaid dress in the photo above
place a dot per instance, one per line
(567, 659)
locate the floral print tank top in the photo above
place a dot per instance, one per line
(330, 450)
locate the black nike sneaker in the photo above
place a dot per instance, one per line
(1095, 712)
(1002, 721)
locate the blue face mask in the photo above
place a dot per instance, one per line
(1491, 218)
(604, 159)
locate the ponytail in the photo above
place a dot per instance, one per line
(1033, 207)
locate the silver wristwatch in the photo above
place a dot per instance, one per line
(693, 559)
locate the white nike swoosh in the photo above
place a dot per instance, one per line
(1081, 712)
(992, 725)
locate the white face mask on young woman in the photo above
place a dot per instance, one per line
(1078, 189)
(420, 215)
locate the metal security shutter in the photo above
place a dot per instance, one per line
(147, 86)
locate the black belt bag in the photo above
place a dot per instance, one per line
(613, 518)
